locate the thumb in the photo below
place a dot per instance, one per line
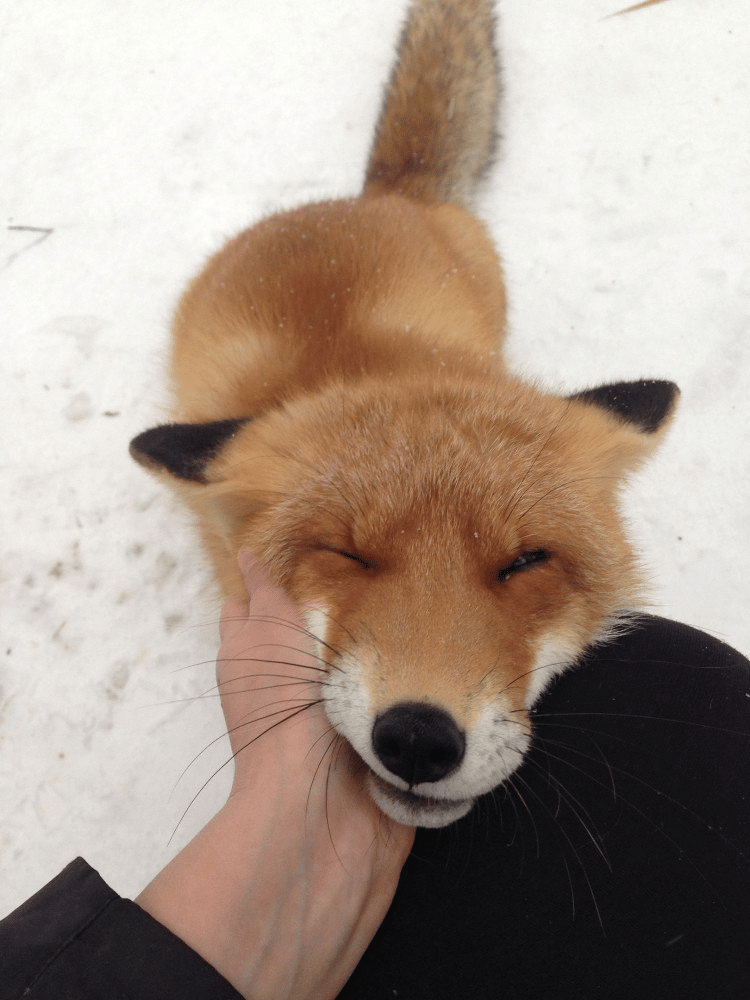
(233, 617)
(234, 613)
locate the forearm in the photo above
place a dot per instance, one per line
(246, 899)
(212, 895)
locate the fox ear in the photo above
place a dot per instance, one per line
(183, 450)
(646, 406)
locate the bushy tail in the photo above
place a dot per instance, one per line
(436, 134)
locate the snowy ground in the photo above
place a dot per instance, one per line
(136, 137)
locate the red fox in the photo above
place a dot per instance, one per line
(341, 410)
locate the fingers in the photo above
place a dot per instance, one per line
(234, 614)
(265, 628)
(252, 573)
(233, 618)
(264, 599)
(267, 668)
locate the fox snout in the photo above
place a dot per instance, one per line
(418, 742)
(426, 770)
(433, 737)
(421, 746)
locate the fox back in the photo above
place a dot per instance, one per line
(341, 410)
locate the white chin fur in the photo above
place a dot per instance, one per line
(415, 810)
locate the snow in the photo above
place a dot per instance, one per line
(136, 138)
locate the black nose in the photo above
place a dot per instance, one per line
(418, 742)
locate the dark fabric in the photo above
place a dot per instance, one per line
(76, 939)
(617, 862)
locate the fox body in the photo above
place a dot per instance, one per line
(341, 410)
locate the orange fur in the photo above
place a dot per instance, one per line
(452, 533)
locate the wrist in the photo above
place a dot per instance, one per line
(207, 896)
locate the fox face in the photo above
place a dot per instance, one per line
(342, 412)
(453, 545)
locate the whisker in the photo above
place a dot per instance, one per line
(340, 625)
(335, 740)
(645, 718)
(246, 722)
(531, 816)
(190, 666)
(570, 884)
(301, 629)
(265, 659)
(577, 808)
(561, 829)
(520, 493)
(289, 715)
(533, 670)
(512, 800)
(214, 692)
(563, 486)
(291, 681)
(652, 824)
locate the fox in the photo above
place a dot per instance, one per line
(451, 533)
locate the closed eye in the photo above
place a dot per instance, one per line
(365, 563)
(526, 561)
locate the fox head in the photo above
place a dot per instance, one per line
(453, 545)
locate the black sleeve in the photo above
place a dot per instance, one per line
(614, 863)
(78, 939)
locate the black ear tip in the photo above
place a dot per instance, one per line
(135, 447)
(645, 404)
(184, 450)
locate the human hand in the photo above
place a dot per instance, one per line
(286, 886)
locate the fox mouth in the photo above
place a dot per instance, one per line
(415, 810)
